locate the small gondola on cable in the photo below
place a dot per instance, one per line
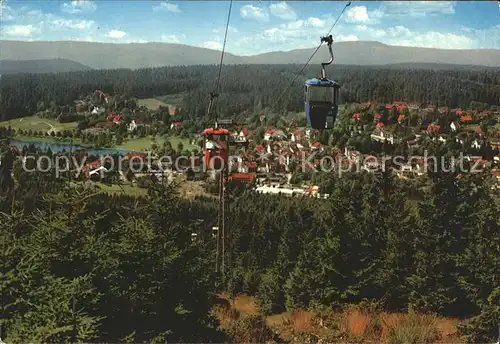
(322, 96)
(215, 142)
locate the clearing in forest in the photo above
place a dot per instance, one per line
(36, 123)
(151, 103)
(171, 100)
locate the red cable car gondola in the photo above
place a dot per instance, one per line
(215, 147)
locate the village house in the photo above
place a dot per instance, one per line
(132, 126)
(411, 170)
(241, 136)
(115, 118)
(476, 144)
(94, 170)
(413, 106)
(366, 106)
(466, 118)
(495, 174)
(316, 146)
(98, 110)
(138, 160)
(274, 134)
(454, 126)
(372, 163)
(473, 128)
(441, 138)
(243, 177)
(381, 135)
(433, 128)
(175, 125)
(135, 124)
(297, 136)
(443, 110)
(400, 106)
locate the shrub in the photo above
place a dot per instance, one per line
(412, 328)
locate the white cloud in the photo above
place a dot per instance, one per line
(398, 31)
(19, 30)
(417, 8)
(310, 23)
(23, 15)
(212, 45)
(254, 12)
(172, 38)
(486, 38)
(283, 11)
(347, 38)
(359, 14)
(303, 33)
(116, 34)
(371, 32)
(79, 6)
(166, 6)
(403, 36)
(294, 25)
(439, 40)
(400, 35)
(315, 22)
(71, 24)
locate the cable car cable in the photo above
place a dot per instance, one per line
(310, 58)
(223, 46)
(214, 94)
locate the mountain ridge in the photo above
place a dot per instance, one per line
(40, 66)
(99, 55)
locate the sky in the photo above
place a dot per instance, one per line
(255, 26)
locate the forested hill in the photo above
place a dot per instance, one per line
(41, 66)
(251, 87)
(154, 54)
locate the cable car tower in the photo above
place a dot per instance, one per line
(216, 159)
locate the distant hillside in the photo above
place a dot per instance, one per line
(40, 66)
(375, 53)
(141, 55)
(435, 66)
(111, 56)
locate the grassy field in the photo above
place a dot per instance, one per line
(144, 143)
(36, 123)
(166, 100)
(151, 103)
(172, 99)
(124, 189)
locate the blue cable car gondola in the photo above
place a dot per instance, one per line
(322, 96)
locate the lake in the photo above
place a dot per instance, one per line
(60, 147)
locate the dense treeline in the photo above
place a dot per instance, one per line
(369, 241)
(249, 87)
(80, 266)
